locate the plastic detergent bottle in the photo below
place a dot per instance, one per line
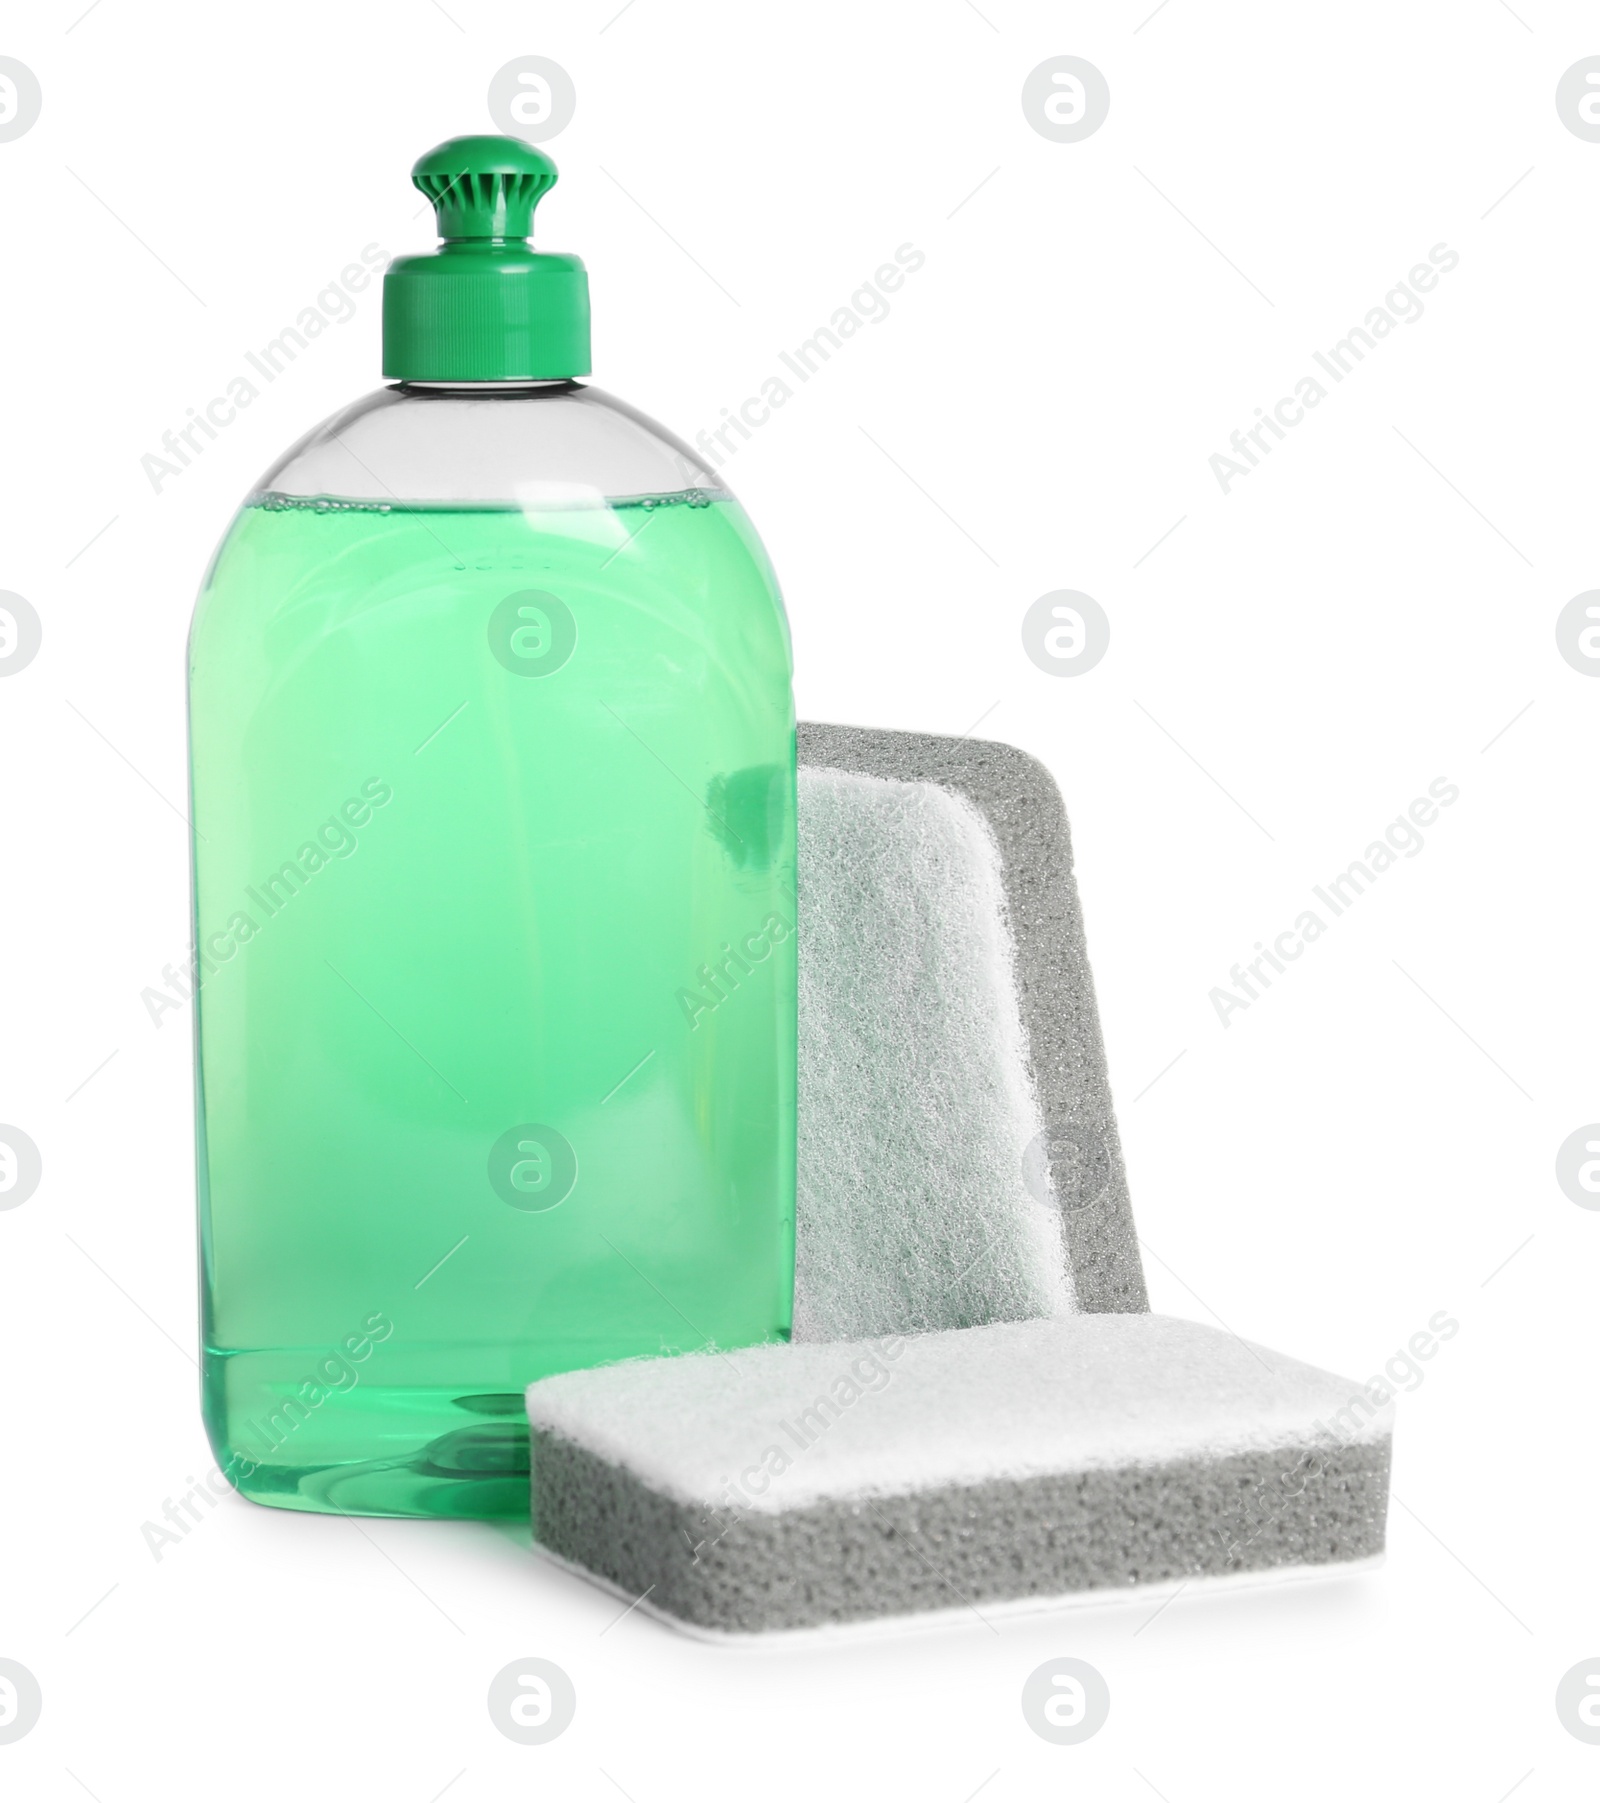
(492, 765)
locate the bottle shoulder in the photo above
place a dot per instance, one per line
(547, 444)
(410, 488)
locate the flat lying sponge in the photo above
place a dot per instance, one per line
(958, 1155)
(785, 1487)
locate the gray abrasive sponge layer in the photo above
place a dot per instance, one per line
(786, 1487)
(958, 1155)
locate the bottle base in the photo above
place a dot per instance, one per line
(414, 1489)
(476, 1471)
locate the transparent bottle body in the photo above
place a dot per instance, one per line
(492, 765)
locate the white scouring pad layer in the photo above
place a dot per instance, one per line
(915, 1107)
(798, 1487)
(958, 1158)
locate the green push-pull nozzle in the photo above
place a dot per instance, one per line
(485, 306)
(484, 187)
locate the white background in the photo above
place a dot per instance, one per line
(1367, 1144)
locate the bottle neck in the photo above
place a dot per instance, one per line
(470, 388)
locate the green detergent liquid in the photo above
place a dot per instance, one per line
(494, 879)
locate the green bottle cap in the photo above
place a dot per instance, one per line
(485, 306)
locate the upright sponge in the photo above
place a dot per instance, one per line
(788, 1487)
(958, 1155)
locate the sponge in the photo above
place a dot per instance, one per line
(958, 1156)
(977, 1412)
(800, 1487)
